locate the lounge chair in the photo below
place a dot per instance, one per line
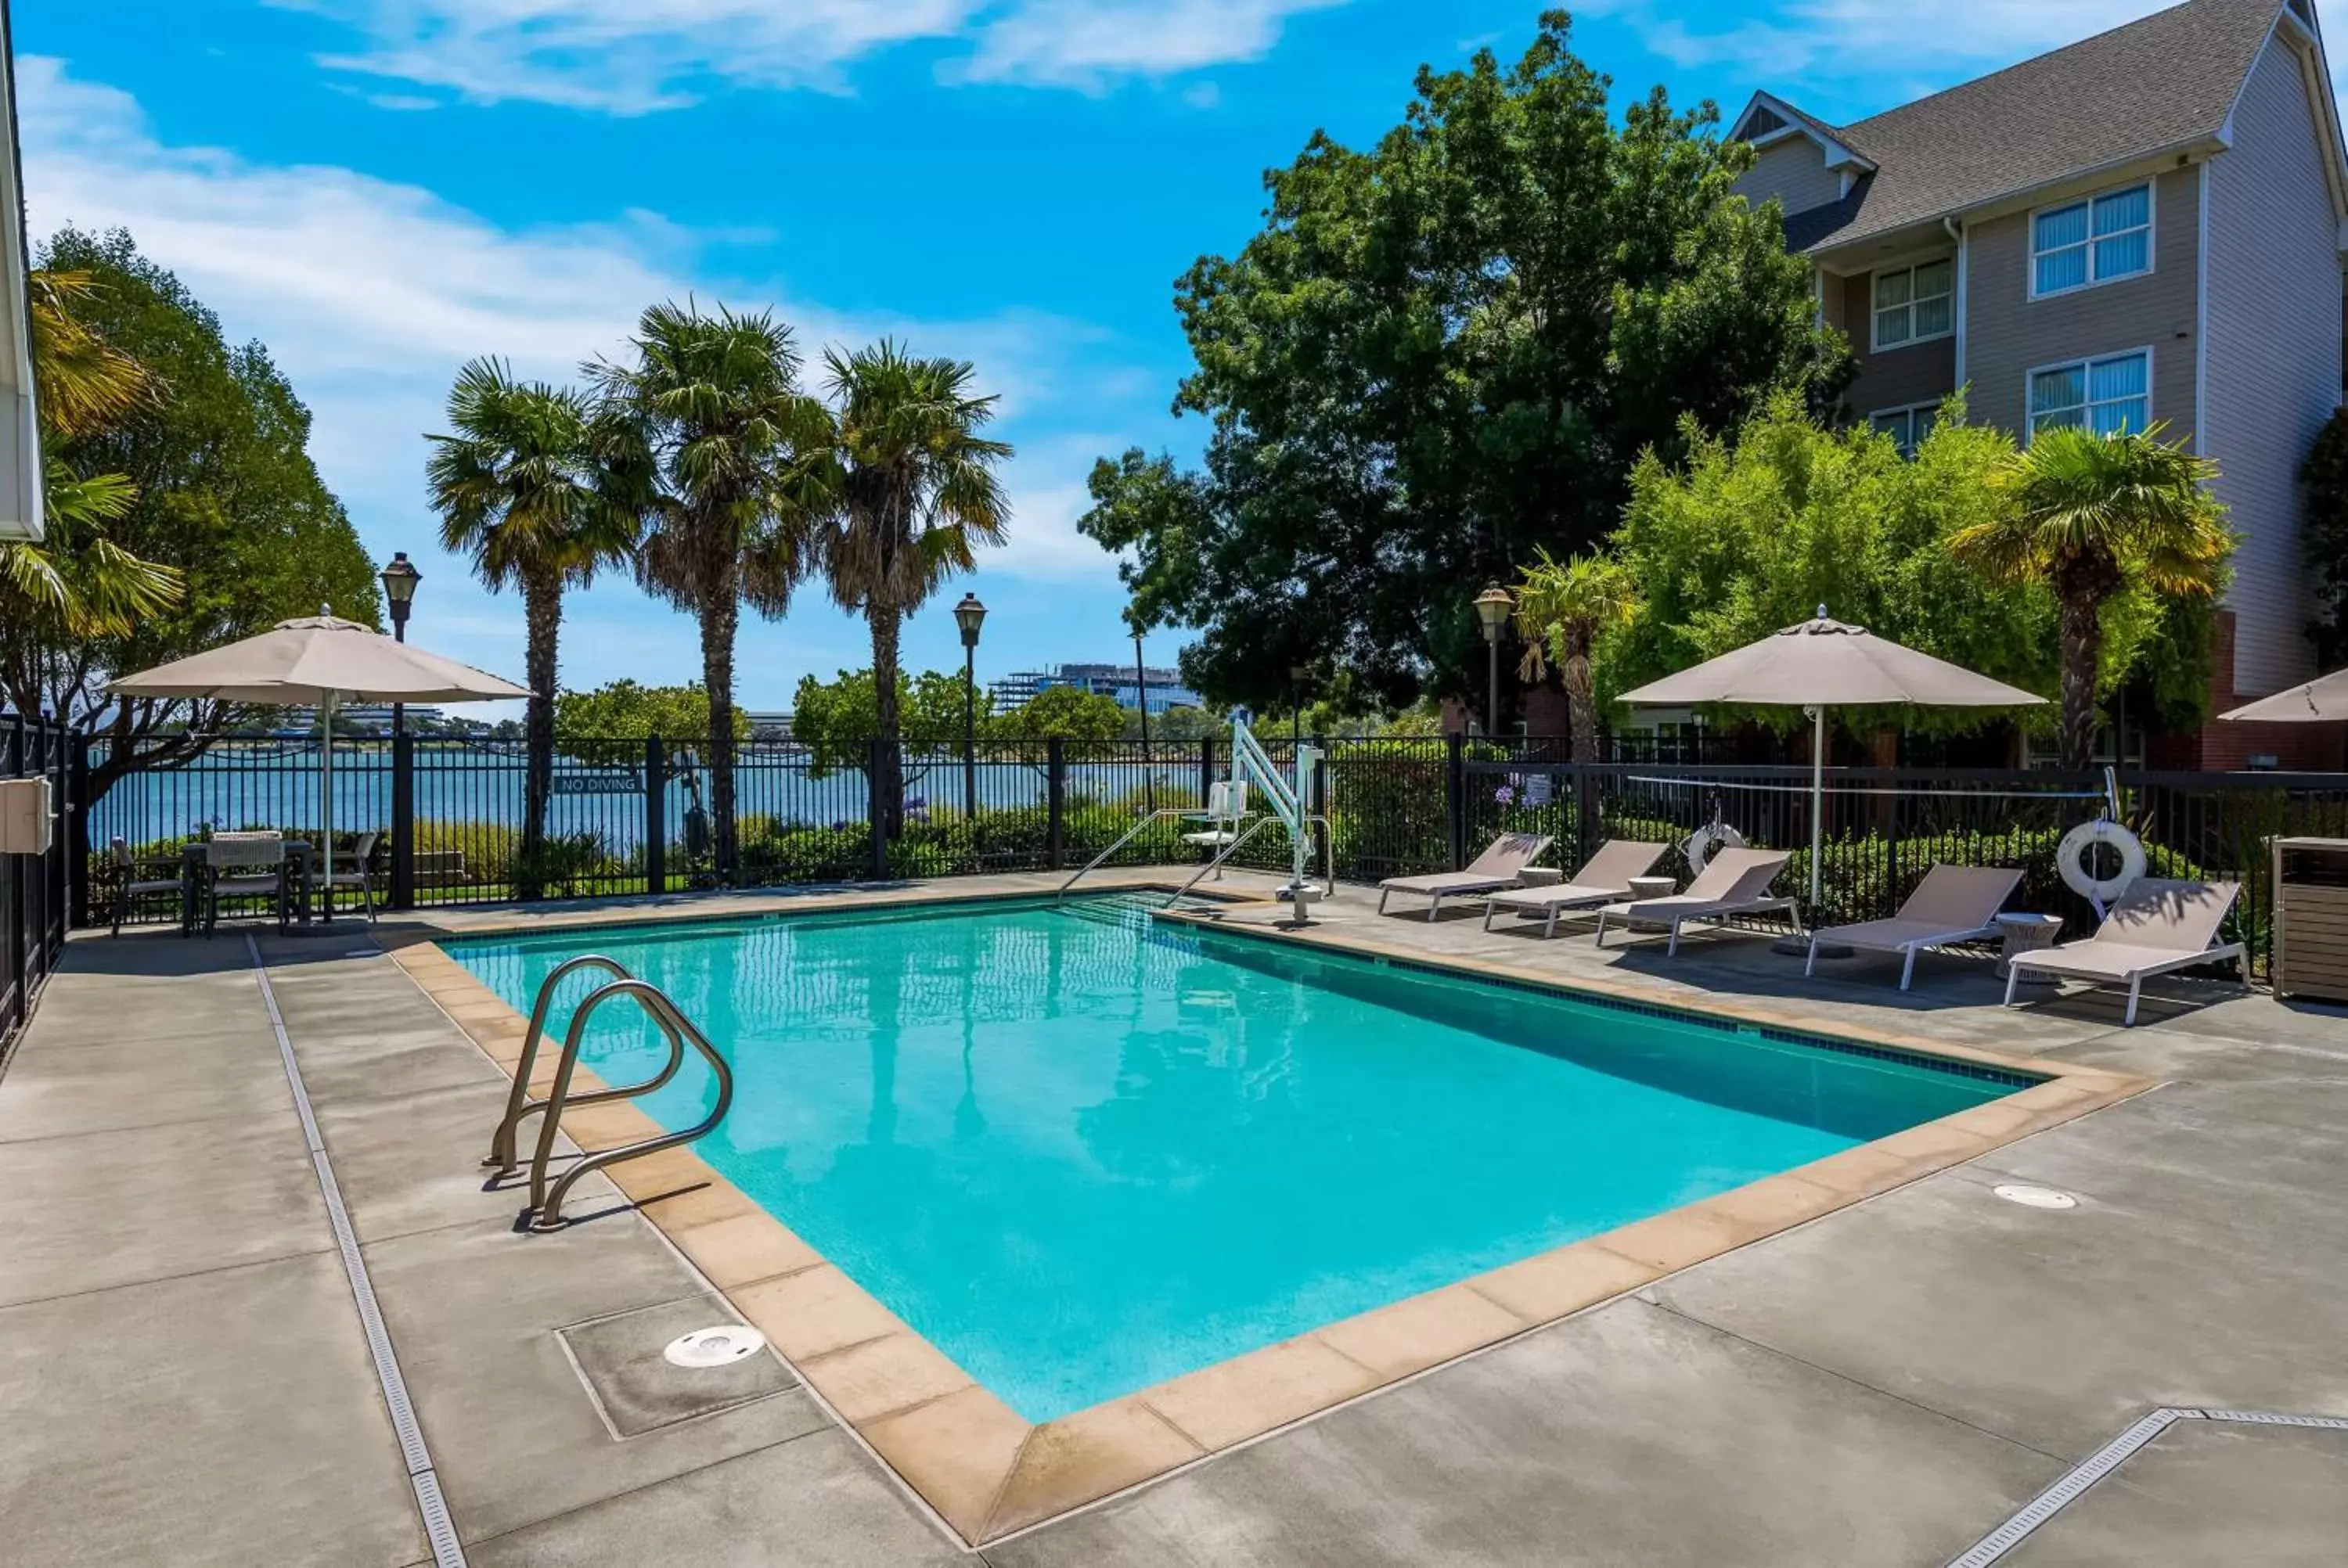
(2159, 924)
(1734, 883)
(1953, 904)
(1604, 878)
(1502, 865)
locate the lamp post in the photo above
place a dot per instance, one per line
(969, 615)
(399, 579)
(1493, 607)
(1141, 701)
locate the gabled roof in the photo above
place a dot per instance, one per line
(2166, 82)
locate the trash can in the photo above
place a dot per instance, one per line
(2311, 935)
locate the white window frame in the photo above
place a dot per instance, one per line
(2151, 396)
(1909, 410)
(1874, 344)
(2151, 239)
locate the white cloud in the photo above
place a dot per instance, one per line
(1842, 39)
(1089, 43)
(635, 56)
(370, 294)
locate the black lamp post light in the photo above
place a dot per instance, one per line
(1493, 608)
(969, 615)
(399, 579)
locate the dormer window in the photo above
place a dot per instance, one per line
(1913, 303)
(2098, 240)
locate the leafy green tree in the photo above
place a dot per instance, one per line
(1747, 537)
(627, 711)
(838, 719)
(2088, 516)
(1562, 609)
(723, 447)
(524, 488)
(1442, 353)
(1064, 714)
(915, 494)
(2324, 479)
(220, 489)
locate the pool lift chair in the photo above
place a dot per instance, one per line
(1252, 770)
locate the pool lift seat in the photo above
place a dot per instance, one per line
(1288, 803)
(545, 1210)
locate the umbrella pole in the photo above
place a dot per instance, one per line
(326, 806)
(1817, 801)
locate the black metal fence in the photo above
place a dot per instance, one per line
(633, 815)
(33, 887)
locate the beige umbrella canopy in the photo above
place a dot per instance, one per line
(2321, 699)
(323, 661)
(1820, 664)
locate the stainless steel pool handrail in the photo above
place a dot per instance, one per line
(519, 1104)
(545, 1209)
(1191, 812)
(1329, 858)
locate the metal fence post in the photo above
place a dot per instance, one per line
(655, 815)
(1056, 801)
(1454, 794)
(59, 861)
(1206, 769)
(403, 821)
(1585, 816)
(875, 758)
(78, 843)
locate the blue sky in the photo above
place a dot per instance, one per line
(381, 189)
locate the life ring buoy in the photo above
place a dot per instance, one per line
(1705, 840)
(2071, 860)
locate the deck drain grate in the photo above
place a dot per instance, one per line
(2031, 1197)
(2068, 1489)
(719, 1347)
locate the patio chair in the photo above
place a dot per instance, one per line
(1734, 883)
(355, 868)
(1502, 864)
(1604, 878)
(1953, 904)
(128, 884)
(243, 865)
(2158, 924)
(1226, 809)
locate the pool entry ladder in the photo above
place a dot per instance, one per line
(545, 1210)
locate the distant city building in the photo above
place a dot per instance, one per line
(355, 718)
(770, 726)
(1114, 682)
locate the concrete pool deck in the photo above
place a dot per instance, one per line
(183, 1377)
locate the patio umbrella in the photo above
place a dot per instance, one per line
(1819, 664)
(2323, 697)
(323, 661)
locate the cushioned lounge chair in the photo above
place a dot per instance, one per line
(1733, 884)
(1502, 865)
(1953, 904)
(2158, 924)
(1604, 878)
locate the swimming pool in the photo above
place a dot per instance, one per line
(1083, 1152)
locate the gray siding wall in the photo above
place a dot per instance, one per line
(1793, 171)
(1913, 372)
(2273, 348)
(2008, 332)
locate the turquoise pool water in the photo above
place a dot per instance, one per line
(1083, 1153)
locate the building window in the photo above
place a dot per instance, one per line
(2106, 396)
(1906, 426)
(2095, 241)
(1914, 303)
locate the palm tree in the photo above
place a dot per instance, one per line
(1561, 611)
(523, 487)
(729, 450)
(2089, 515)
(77, 583)
(913, 492)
